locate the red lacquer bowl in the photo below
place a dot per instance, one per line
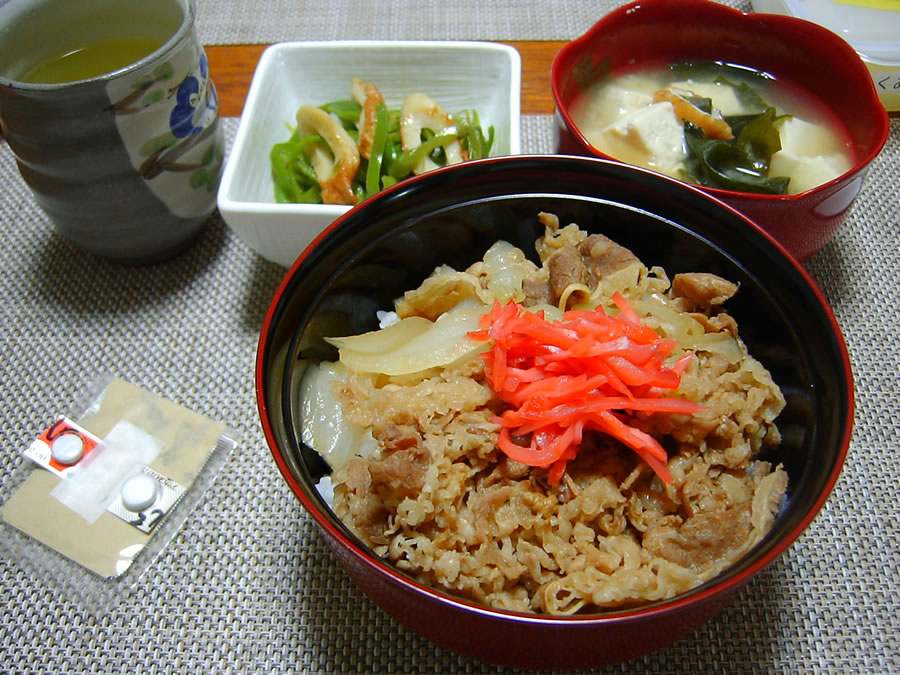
(390, 243)
(804, 54)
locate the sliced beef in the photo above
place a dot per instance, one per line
(604, 256)
(702, 288)
(593, 259)
(702, 539)
(566, 268)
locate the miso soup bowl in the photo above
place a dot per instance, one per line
(390, 243)
(798, 52)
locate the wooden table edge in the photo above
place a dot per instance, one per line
(232, 67)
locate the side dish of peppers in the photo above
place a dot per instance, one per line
(305, 164)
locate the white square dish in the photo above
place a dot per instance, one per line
(482, 76)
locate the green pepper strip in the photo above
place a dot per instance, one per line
(473, 139)
(348, 112)
(470, 131)
(296, 181)
(293, 176)
(392, 150)
(404, 164)
(379, 138)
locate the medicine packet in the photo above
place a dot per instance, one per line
(104, 488)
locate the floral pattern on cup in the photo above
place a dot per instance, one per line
(178, 98)
(187, 115)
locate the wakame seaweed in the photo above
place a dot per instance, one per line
(741, 163)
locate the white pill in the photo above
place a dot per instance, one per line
(67, 449)
(139, 492)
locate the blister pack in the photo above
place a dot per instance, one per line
(103, 489)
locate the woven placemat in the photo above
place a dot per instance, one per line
(248, 585)
(265, 21)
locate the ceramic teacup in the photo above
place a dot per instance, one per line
(110, 111)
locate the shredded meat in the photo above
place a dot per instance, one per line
(704, 289)
(537, 292)
(487, 502)
(369, 513)
(717, 323)
(595, 258)
(702, 540)
(605, 255)
(396, 434)
(567, 267)
(402, 472)
(444, 504)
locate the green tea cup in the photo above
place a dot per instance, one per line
(111, 114)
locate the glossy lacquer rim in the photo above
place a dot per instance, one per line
(542, 163)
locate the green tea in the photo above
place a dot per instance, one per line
(60, 41)
(90, 60)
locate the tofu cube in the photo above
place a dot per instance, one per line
(805, 139)
(650, 136)
(806, 172)
(611, 104)
(809, 155)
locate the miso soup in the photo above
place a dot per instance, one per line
(716, 125)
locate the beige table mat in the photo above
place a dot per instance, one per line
(249, 586)
(264, 21)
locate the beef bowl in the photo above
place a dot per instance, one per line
(651, 83)
(429, 236)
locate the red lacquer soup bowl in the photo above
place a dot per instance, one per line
(799, 53)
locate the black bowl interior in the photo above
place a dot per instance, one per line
(391, 243)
